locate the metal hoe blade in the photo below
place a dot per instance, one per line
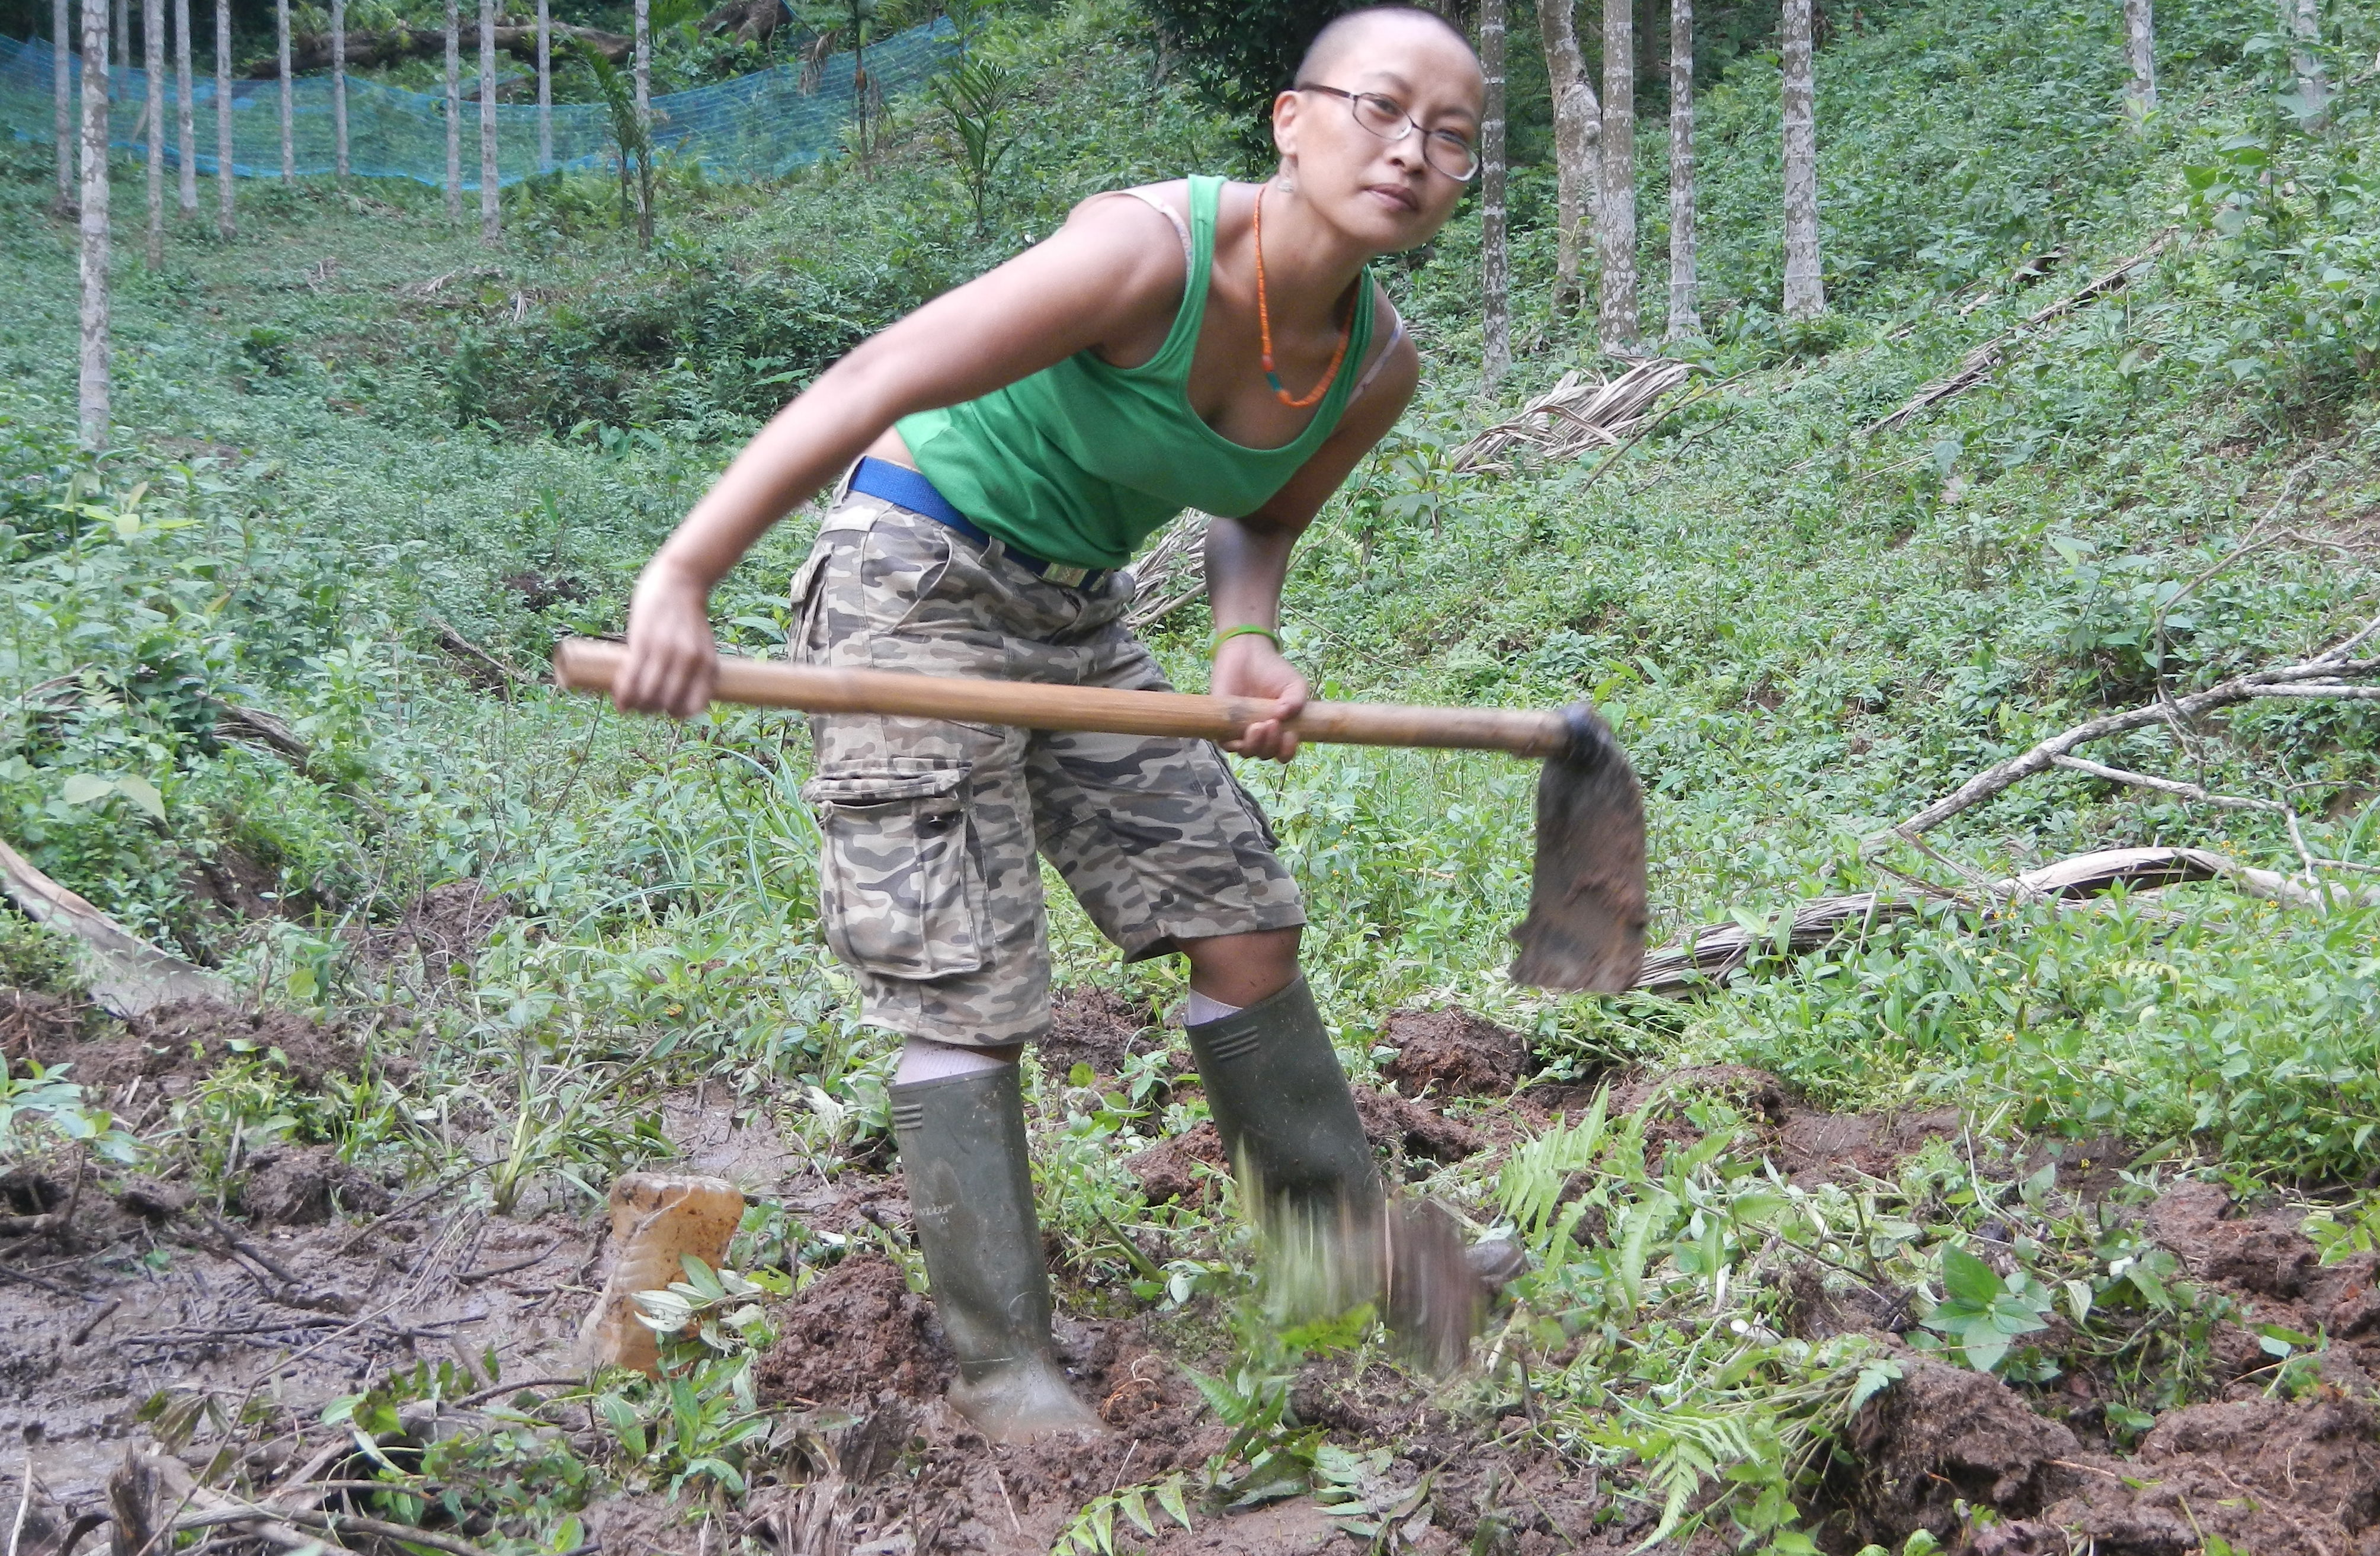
(1586, 927)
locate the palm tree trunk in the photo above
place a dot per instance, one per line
(544, 86)
(490, 227)
(186, 135)
(453, 111)
(339, 87)
(1495, 279)
(124, 34)
(93, 375)
(1805, 292)
(1615, 226)
(153, 56)
(224, 223)
(62, 53)
(1685, 319)
(2139, 38)
(1578, 130)
(281, 42)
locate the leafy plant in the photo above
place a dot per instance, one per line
(631, 137)
(1981, 1315)
(974, 95)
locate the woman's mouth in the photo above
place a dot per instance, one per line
(1395, 195)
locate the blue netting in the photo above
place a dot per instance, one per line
(759, 125)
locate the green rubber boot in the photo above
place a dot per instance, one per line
(1289, 1124)
(961, 1144)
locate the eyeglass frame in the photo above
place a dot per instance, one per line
(1354, 111)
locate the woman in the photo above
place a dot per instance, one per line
(1199, 343)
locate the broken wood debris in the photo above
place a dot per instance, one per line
(1989, 356)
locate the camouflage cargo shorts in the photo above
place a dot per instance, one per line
(930, 887)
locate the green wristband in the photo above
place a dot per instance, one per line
(1228, 633)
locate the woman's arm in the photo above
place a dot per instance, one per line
(1113, 267)
(1248, 559)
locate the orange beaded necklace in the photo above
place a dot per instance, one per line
(1264, 328)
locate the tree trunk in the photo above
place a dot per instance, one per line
(1495, 281)
(280, 41)
(1805, 293)
(2139, 38)
(489, 224)
(153, 58)
(1578, 130)
(2314, 88)
(1685, 319)
(453, 111)
(339, 87)
(1615, 226)
(123, 34)
(92, 386)
(186, 136)
(644, 36)
(224, 223)
(544, 86)
(61, 53)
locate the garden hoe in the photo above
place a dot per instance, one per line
(1586, 927)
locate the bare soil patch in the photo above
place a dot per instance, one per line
(1452, 1053)
(1090, 1024)
(857, 1331)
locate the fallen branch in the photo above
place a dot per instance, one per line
(1575, 416)
(2330, 674)
(1716, 950)
(127, 975)
(478, 658)
(1989, 356)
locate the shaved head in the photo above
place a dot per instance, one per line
(1346, 35)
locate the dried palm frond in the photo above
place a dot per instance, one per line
(1172, 573)
(1577, 415)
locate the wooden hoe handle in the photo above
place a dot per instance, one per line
(589, 665)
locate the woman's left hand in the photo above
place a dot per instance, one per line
(1248, 665)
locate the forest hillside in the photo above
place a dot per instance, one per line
(1953, 1184)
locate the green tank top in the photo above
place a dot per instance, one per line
(1082, 461)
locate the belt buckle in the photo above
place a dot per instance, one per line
(1059, 573)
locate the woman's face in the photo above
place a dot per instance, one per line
(1389, 195)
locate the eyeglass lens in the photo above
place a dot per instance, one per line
(1449, 153)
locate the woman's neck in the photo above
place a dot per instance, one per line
(1308, 263)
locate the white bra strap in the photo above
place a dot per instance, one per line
(1157, 203)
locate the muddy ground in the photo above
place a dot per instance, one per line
(314, 1279)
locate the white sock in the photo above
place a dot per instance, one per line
(1203, 1010)
(923, 1058)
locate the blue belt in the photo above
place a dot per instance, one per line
(905, 488)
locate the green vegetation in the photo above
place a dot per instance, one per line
(353, 439)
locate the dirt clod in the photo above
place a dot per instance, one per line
(449, 924)
(1943, 1435)
(857, 1328)
(1452, 1053)
(153, 1200)
(302, 1186)
(1091, 1025)
(1168, 1170)
(1410, 1128)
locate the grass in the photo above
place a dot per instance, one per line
(348, 427)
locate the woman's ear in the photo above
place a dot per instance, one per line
(1284, 124)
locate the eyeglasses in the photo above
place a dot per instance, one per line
(1448, 153)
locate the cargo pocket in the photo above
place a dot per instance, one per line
(900, 886)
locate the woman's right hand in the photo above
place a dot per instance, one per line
(672, 661)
